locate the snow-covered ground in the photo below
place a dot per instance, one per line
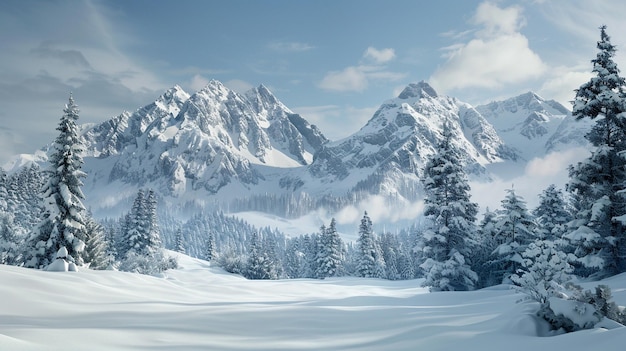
(199, 307)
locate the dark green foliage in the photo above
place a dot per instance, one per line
(598, 182)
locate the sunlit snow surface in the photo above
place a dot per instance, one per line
(202, 308)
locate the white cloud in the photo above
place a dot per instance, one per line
(379, 211)
(497, 55)
(538, 175)
(198, 82)
(380, 56)
(561, 84)
(497, 21)
(357, 78)
(349, 79)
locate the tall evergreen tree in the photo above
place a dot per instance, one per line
(330, 252)
(4, 193)
(63, 224)
(95, 246)
(9, 241)
(142, 246)
(310, 248)
(600, 180)
(257, 267)
(294, 259)
(484, 245)
(446, 244)
(515, 231)
(210, 252)
(136, 236)
(179, 241)
(366, 250)
(152, 222)
(551, 215)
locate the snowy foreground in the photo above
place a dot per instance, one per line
(202, 308)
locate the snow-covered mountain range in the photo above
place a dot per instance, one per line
(217, 147)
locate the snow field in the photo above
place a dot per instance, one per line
(199, 307)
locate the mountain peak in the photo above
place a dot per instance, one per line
(175, 92)
(417, 90)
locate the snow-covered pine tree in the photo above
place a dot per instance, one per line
(4, 193)
(23, 198)
(210, 252)
(256, 267)
(484, 245)
(135, 238)
(330, 252)
(294, 259)
(551, 215)
(272, 260)
(600, 180)
(63, 224)
(514, 232)
(309, 249)
(143, 241)
(544, 270)
(9, 242)
(95, 253)
(446, 244)
(366, 249)
(179, 242)
(152, 222)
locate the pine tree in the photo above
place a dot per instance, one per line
(9, 242)
(600, 180)
(270, 252)
(152, 223)
(136, 236)
(515, 231)
(552, 215)
(446, 244)
(180, 246)
(4, 193)
(257, 267)
(544, 271)
(142, 246)
(309, 249)
(210, 252)
(95, 246)
(330, 252)
(366, 254)
(485, 244)
(63, 224)
(294, 259)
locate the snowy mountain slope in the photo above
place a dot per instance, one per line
(199, 307)
(534, 126)
(182, 143)
(390, 151)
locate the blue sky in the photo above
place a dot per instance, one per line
(334, 62)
